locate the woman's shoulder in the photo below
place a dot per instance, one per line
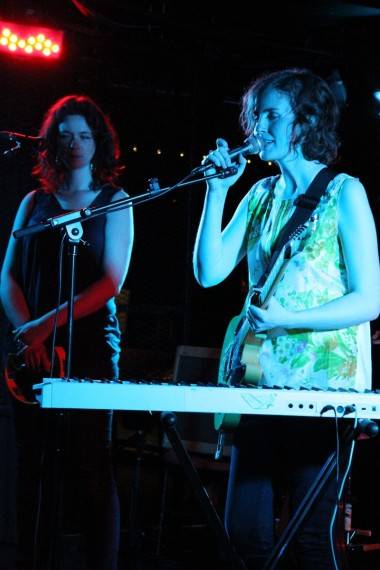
(119, 194)
(26, 207)
(31, 198)
(40, 193)
(344, 184)
(343, 179)
(111, 192)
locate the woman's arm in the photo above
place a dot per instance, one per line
(217, 252)
(117, 254)
(357, 233)
(11, 294)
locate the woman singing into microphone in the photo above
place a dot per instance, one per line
(316, 325)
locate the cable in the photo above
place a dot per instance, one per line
(38, 511)
(340, 489)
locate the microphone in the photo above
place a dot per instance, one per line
(250, 146)
(20, 138)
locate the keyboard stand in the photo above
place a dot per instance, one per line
(169, 420)
(370, 428)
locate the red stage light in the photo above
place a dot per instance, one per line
(30, 41)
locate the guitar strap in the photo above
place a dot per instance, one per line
(305, 206)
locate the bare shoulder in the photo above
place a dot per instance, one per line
(119, 195)
(352, 195)
(25, 207)
(352, 189)
(29, 198)
(122, 213)
(353, 204)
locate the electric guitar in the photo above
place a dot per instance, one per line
(239, 360)
(19, 378)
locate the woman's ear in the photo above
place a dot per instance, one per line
(297, 133)
(300, 129)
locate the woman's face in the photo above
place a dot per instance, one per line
(274, 125)
(76, 142)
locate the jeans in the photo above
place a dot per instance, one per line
(270, 455)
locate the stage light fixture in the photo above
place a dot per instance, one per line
(30, 41)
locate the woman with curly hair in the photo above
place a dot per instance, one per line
(77, 167)
(316, 324)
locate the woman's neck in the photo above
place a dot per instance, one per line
(79, 180)
(297, 176)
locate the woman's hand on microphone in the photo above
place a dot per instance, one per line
(221, 159)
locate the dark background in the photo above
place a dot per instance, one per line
(170, 74)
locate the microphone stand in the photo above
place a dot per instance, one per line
(72, 223)
(350, 435)
(18, 140)
(74, 233)
(85, 214)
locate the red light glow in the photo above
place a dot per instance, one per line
(30, 41)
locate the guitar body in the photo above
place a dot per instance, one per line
(249, 372)
(239, 360)
(20, 379)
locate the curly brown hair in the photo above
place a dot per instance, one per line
(313, 103)
(51, 171)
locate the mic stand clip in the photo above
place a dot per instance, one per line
(17, 146)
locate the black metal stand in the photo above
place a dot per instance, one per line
(370, 428)
(54, 548)
(169, 421)
(74, 233)
(135, 533)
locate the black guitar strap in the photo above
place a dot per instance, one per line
(305, 206)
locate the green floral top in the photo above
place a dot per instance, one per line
(315, 275)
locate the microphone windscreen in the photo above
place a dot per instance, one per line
(254, 147)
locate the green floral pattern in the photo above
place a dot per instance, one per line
(315, 275)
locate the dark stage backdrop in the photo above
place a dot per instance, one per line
(174, 83)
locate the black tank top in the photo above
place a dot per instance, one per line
(96, 338)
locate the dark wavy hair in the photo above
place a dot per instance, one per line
(50, 170)
(313, 103)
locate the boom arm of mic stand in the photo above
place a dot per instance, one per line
(85, 214)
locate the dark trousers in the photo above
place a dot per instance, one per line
(273, 458)
(65, 479)
(7, 482)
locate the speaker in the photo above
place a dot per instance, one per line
(197, 365)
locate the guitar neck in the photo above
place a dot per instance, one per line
(272, 280)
